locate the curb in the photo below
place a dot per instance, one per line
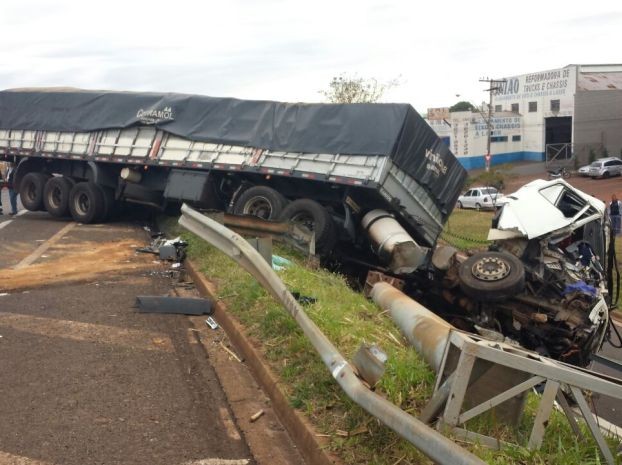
(299, 428)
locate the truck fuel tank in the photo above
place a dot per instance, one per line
(392, 244)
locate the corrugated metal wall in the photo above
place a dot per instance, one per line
(598, 120)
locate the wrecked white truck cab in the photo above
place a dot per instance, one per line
(543, 281)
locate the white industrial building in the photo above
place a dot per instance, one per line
(558, 114)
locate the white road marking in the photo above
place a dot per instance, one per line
(8, 222)
(86, 332)
(30, 259)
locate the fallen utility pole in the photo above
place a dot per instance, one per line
(433, 444)
(475, 375)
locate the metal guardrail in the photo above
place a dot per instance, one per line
(475, 375)
(433, 444)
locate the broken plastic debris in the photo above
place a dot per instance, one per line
(211, 323)
(280, 263)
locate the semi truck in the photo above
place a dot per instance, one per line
(368, 176)
(373, 183)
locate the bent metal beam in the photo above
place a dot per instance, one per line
(433, 444)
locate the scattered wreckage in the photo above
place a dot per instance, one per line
(543, 281)
(373, 182)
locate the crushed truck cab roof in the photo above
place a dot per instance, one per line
(543, 207)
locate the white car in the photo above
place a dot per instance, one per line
(605, 167)
(584, 171)
(481, 198)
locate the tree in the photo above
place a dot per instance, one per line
(346, 89)
(462, 106)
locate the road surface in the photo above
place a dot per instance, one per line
(86, 379)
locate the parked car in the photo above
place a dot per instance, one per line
(584, 171)
(606, 167)
(481, 198)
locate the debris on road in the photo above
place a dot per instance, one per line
(257, 416)
(211, 323)
(166, 249)
(304, 299)
(279, 263)
(174, 305)
(230, 352)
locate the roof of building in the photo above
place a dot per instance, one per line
(599, 81)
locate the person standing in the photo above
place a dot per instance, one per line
(615, 208)
(9, 184)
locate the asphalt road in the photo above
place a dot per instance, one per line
(87, 379)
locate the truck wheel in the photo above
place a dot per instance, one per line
(315, 217)
(261, 201)
(108, 196)
(492, 276)
(56, 196)
(86, 202)
(31, 190)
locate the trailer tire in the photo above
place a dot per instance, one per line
(31, 190)
(315, 217)
(109, 202)
(86, 202)
(261, 201)
(492, 276)
(56, 196)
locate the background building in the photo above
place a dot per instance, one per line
(564, 115)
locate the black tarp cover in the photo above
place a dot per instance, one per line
(394, 130)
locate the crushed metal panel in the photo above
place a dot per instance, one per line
(532, 209)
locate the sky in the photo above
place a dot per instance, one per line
(289, 50)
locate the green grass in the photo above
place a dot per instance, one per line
(348, 319)
(467, 229)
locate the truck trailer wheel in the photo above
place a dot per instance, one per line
(261, 201)
(56, 196)
(492, 276)
(314, 217)
(86, 202)
(108, 197)
(31, 190)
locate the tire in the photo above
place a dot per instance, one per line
(459, 205)
(261, 201)
(56, 196)
(492, 276)
(605, 174)
(109, 202)
(31, 191)
(566, 174)
(86, 202)
(478, 207)
(315, 217)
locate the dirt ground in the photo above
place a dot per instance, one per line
(76, 262)
(600, 188)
